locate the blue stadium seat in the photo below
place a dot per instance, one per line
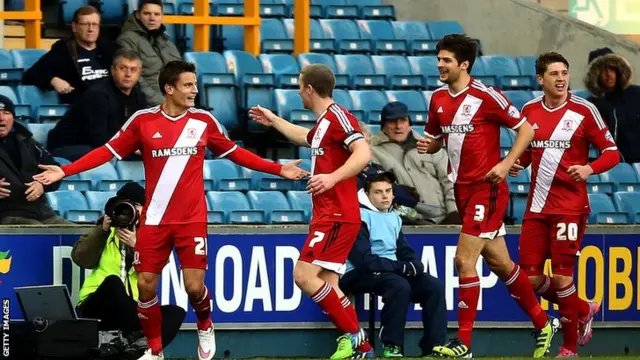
(268, 182)
(506, 137)
(103, 178)
(397, 71)
(636, 167)
(518, 97)
(40, 132)
(628, 202)
(235, 207)
(336, 9)
(583, 93)
(304, 152)
(61, 161)
(518, 205)
(417, 36)
(383, 37)
(130, 170)
(427, 67)
(284, 67)
(45, 105)
(315, 11)
(623, 177)
(25, 58)
(273, 9)
(414, 101)
(427, 97)
(98, 199)
(301, 200)
(113, 11)
(208, 64)
(346, 34)
(255, 86)
(369, 101)
(8, 72)
(220, 95)
(225, 175)
(342, 98)
(507, 72)
(439, 29)
(527, 67)
(69, 7)
(317, 42)
(289, 106)
(520, 184)
(360, 71)
(603, 211)
(305, 165)
(276, 207)
(8, 92)
(72, 205)
(374, 9)
(596, 185)
(342, 80)
(479, 72)
(274, 37)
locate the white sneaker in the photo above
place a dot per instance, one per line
(149, 356)
(207, 346)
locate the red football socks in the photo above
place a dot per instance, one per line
(468, 295)
(548, 293)
(151, 323)
(328, 300)
(351, 312)
(521, 290)
(202, 308)
(567, 299)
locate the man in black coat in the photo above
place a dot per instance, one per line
(609, 80)
(101, 111)
(73, 65)
(21, 198)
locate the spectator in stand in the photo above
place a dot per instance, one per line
(102, 110)
(609, 80)
(144, 32)
(73, 65)
(21, 198)
(394, 147)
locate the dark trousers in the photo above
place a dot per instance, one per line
(118, 311)
(397, 294)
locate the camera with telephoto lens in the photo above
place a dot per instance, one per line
(123, 212)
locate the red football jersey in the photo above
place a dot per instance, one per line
(329, 139)
(173, 152)
(470, 122)
(562, 139)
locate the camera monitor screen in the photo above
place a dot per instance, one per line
(51, 302)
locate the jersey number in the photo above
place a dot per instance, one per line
(479, 213)
(317, 237)
(567, 231)
(201, 245)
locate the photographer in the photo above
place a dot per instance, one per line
(110, 293)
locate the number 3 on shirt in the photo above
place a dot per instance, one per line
(201, 246)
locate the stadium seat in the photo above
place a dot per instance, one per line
(383, 37)
(305, 165)
(439, 29)
(276, 207)
(289, 106)
(527, 67)
(517, 207)
(506, 137)
(61, 161)
(72, 206)
(284, 67)
(583, 93)
(417, 36)
(342, 98)
(25, 58)
(40, 132)
(130, 170)
(273, 9)
(342, 80)
(255, 86)
(317, 42)
(415, 102)
(397, 72)
(636, 167)
(98, 199)
(304, 152)
(69, 7)
(113, 11)
(23, 112)
(370, 102)
(518, 97)
(346, 35)
(8, 72)
(374, 9)
(337, 9)
(220, 97)
(480, 73)
(208, 64)
(45, 105)
(360, 71)
(103, 178)
(520, 184)
(235, 207)
(628, 202)
(273, 37)
(623, 177)
(225, 175)
(507, 72)
(427, 67)
(596, 185)
(603, 211)
(301, 200)
(268, 182)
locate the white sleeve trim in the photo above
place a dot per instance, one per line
(610, 148)
(352, 138)
(228, 152)
(432, 136)
(113, 151)
(519, 124)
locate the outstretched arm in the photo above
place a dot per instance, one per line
(296, 134)
(53, 173)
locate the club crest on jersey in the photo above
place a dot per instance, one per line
(568, 125)
(191, 133)
(466, 110)
(178, 151)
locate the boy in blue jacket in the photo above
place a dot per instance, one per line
(383, 263)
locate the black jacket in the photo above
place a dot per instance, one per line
(619, 108)
(31, 154)
(61, 61)
(97, 116)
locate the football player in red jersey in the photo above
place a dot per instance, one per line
(172, 138)
(339, 152)
(558, 206)
(468, 115)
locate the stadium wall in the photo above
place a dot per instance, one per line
(521, 27)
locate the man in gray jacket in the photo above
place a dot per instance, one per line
(144, 32)
(394, 147)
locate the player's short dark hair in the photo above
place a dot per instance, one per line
(544, 60)
(125, 53)
(142, 3)
(84, 11)
(321, 79)
(377, 178)
(171, 72)
(462, 46)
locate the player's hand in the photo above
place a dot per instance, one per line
(127, 236)
(320, 183)
(423, 144)
(291, 171)
(580, 173)
(34, 191)
(106, 223)
(262, 115)
(50, 174)
(498, 173)
(61, 86)
(4, 189)
(515, 169)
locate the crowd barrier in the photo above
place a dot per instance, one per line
(250, 275)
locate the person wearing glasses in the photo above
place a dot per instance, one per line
(75, 64)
